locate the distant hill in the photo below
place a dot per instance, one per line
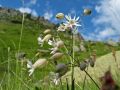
(15, 16)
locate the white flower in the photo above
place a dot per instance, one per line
(62, 27)
(54, 50)
(50, 42)
(39, 63)
(54, 43)
(45, 39)
(56, 81)
(40, 41)
(71, 22)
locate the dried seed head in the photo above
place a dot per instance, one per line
(60, 44)
(87, 12)
(92, 62)
(20, 56)
(60, 16)
(87, 62)
(61, 69)
(39, 63)
(47, 37)
(56, 56)
(83, 66)
(47, 31)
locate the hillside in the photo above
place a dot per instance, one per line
(102, 64)
(10, 30)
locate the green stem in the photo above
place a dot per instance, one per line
(8, 69)
(21, 31)
(19, 47)
(72, 61)
(92, 79)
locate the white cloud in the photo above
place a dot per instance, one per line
(48, 15)
(28, 10)
(34, 13)
(107, 32)
(107, 20)
(30, 2)
(33, 2)
(25, 10)
(0, 5)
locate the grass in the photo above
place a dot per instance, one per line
(9, 43)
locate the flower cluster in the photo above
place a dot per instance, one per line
(58, 49)
(46, 38)
(70, 23)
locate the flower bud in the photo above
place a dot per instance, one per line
(83, 66)
(61, 69)
(87, 12)
(60, 16)
(47, 31)
(60, 44)
(39, 63)
(56, 56)
(47, 37)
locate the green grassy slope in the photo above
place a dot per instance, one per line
(9, 37)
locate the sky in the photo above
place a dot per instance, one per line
(102, 24)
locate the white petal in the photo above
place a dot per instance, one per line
(40, 41)
(78, 25)
(31, 71)
(67, 17)
(74, 18)
(29, 64)
(56, 81)
(70, 17)
(50, 42)
(77, 18)
(39, 38)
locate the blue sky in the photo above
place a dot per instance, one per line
(102, 24)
